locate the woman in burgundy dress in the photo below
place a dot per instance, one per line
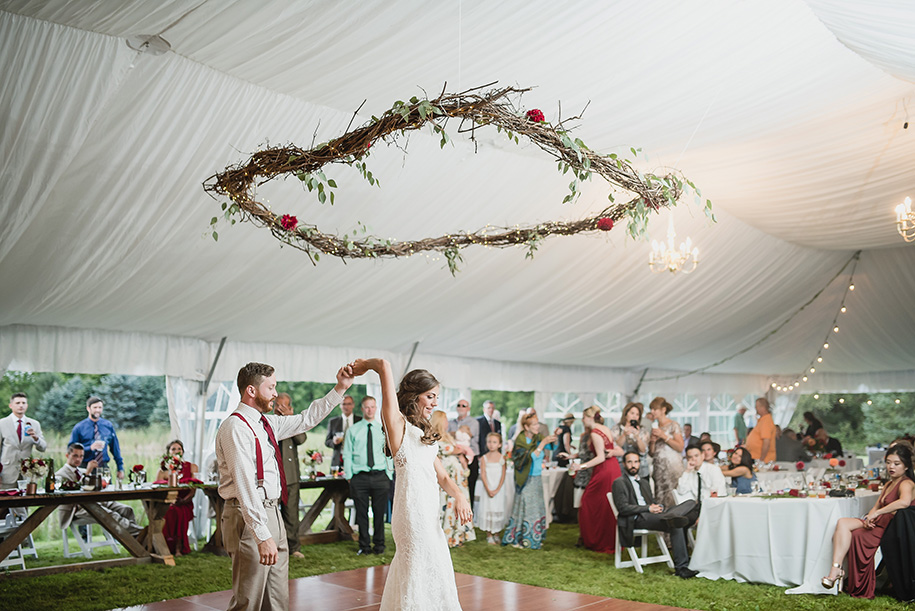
(595, 518)
(179, 515)
(859, 538)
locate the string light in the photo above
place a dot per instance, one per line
(842, 400)
(869, 402)
(897, 401)
(816, 396)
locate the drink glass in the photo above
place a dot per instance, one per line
(821, 492)
(22, 483)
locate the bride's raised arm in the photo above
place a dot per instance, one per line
(391, 417)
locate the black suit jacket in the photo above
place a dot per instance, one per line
(627, 505)
(334, 426)
(485, 430)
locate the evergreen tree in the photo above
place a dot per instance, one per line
(63, 405)
(130, 400)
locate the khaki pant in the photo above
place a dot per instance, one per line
(256, 587)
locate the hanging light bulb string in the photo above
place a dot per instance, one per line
(853, 259)
(833, 329)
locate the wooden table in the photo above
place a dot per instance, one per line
(148, 546)
(333, 489)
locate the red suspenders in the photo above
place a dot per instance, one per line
(260, 456)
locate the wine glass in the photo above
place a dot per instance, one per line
(105, 474)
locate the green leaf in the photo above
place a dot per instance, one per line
(317, 257)
(223, 206)
(321, 196)
(214, 220)
(331, 198)
(215, 237)
(332, 183)
(632, 150)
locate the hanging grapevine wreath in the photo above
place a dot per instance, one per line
(473, 109)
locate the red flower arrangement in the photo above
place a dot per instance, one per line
(313, 457)
(841, 463)
(137, 468)
(800, 465)
(605, 223)
(171, 462)
(289, 222)
(794, 492)
(776, 468)
(827, 456)
(535, 115)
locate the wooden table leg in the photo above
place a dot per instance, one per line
(339, 522)
(111, 525)
(19, 535)
(215, 545)
(155, 540)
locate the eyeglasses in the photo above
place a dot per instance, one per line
(462, 405)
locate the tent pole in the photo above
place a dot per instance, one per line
(202, 404)
(410, 360)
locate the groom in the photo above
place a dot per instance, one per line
(251, 480)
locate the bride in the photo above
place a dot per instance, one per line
(421, 575)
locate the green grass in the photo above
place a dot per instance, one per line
(560, 565)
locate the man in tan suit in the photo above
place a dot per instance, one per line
(18, 435)
(252, 524)
(289, 448)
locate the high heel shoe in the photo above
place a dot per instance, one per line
(831, 583)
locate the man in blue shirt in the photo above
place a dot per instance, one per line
(97, 435)
(369, 472)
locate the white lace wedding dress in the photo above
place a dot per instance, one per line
(421, 576)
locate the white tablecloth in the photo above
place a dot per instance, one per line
(784, 542)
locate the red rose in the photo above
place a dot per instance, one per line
(841, 463)
(827, 455)
(864, 482)
(800, 465)
(776, 468)
(137, 468)
(794, 492)
(605, 223)
(827, 484)
(535, 115)
(289, 222)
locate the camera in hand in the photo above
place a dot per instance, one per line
(634, 424)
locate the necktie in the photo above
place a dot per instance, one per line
(77, 474)
(370, 449)
(698, 488)
(284, 493)
(19, 429)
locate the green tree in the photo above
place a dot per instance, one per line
(130, 400)
(303, 393)
(886, 420)
(509, 403)
(63, 405)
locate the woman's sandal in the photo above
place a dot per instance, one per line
(830, 583)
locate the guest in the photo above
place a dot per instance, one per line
(18, 435)
(489, 421)
(368, 472)
(563, 434)
(465, 419)
(705, 436)
(527, 526)
(490, 510)
(637, 509)
(181, 512)
(97, 435)
(761, 440)
(581, 478)
(740, 426)
(789, 448)
(688, 438)
(665, 446)
(72, 472)
(632, 436)
(337, 427)
(740, 470)
(595, 517)
(710, 451)
(701, 479)
(813, 424)
(831, 445)
(289, 449)
(861, 536)
(516, 429)
(456, 532)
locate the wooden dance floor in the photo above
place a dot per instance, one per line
(361, 589)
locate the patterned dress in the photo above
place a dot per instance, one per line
(668, 467)
(455, 532)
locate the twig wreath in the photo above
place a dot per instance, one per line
(474, 109)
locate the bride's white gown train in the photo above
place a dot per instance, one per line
(421, 576)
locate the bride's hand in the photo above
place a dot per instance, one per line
(360, 366)
(462, 509)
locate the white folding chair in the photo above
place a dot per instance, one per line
(634, 558)
(87, 545)
(17, 556)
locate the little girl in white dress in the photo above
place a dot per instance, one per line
(491, 504)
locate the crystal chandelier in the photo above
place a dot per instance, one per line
(665, 258)
(905, 220)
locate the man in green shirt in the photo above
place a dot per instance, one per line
(369, 472)
(740, 426)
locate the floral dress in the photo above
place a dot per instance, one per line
(455, 532)
(667, 467)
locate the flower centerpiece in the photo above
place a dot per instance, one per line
(312, 459)
(173, 464)
(34, 469)
(137, 475)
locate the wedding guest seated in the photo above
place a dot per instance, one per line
(813, 425)
(700, 480)
(181, 512)
(830, 445)
(740, 470)
(705, 436)
(788, 448)
(710, 451)
(858, 538)
(636, 509)
(71, 474)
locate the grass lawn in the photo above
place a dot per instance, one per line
(560, 565)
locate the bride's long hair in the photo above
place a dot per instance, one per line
(412, 386)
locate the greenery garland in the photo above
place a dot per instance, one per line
(474, 110)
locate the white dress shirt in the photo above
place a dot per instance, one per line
(712, 479)
(638, 489)
(237, 459)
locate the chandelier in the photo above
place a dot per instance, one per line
(665, 258)
(905, 220)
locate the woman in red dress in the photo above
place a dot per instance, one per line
(179, 515)
(859, 538)
(595, 517)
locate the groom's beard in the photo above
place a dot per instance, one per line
(264, 403)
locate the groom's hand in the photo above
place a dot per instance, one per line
(268, 551)
(345, 379)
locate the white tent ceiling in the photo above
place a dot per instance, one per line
(788, 115)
